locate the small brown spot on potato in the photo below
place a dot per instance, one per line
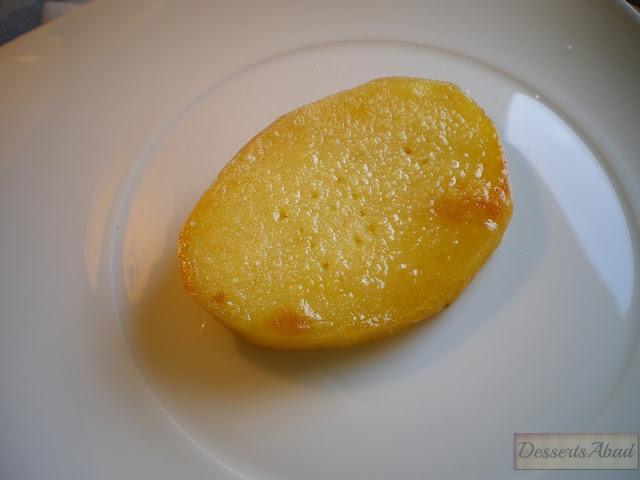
(460, 206)
(218, 297)
(289, 322)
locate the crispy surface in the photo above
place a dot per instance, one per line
(350, 218)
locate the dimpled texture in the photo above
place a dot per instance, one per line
(350, 218)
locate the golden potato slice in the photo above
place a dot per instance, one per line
(349, 218)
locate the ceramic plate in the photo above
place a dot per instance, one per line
(117, 117)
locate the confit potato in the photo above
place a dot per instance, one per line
(350, 218)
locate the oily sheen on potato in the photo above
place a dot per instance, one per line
(349, 218)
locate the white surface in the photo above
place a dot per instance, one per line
(116, 118)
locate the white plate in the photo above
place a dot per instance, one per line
(116, 118)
